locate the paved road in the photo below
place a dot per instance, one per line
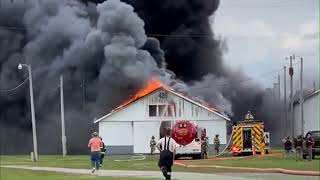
(176, 175)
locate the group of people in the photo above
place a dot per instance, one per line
(205, 146)
(166, 147)
(299, 144)
(98, 151)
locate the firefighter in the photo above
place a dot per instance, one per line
(287, 146)
(249, 116)
(310, 143)
(298, 145)
(204, 147)
(152, 145)
(216, 143)
(167, 148)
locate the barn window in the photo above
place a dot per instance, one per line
(152, 110)
(162, 110)
(171, 110)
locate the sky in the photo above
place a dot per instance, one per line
(260, 34)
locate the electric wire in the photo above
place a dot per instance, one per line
(15, 88)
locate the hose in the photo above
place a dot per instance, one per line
(227, 145)
(138, 157)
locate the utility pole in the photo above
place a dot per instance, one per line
(275, 92)
(33, 119)
(63, 129)
(301, 96)
(285, 100)
(279, 87)
(34, 128)
(291, 97)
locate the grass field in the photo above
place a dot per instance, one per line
(264, 162)
(149, 164)
(82, 162)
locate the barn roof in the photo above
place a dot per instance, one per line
(154, 85)
(306, 97)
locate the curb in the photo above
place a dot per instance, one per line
(267, 170)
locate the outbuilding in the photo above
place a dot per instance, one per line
(311, 114)
(128, 128)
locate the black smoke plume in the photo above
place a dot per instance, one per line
(99, 50)
(105, 51)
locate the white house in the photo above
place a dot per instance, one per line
(128, 128)
(310, 114)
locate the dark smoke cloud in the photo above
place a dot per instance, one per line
(196, 54)
(104, 55)
(102, 62)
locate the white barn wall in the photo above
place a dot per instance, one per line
(213, 128)
(138, 110)
(310, 114)
(117, 136)
(130, 128)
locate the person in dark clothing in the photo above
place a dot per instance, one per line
(167, 148)
(298, 145)
(103, 152)
(287, 146)
(310, 143)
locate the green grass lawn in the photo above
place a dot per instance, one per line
(82, 162)
(12, 174)
(265, 162)
(150, 163)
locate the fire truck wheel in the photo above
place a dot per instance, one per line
(267, 151)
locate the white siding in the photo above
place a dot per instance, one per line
(133, 127)
(116, 133)
(213, 128)
(142, 135)
(139, 110)
(311, 115)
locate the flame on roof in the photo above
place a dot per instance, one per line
(151, 86)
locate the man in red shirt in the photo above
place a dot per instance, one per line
(95, 145)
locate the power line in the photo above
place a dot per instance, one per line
(13, 89)
(148, 34)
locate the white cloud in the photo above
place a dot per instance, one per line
(305, 37)
(292, 41)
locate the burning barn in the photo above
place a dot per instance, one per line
(128, 128)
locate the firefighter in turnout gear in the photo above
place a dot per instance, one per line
(249, 116)
(204, 146)
(152, 145)
(216, 142)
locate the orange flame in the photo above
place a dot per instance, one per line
(152, 85)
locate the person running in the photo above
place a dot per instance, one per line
(103, 151)
(95, 145)
(167, 153)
